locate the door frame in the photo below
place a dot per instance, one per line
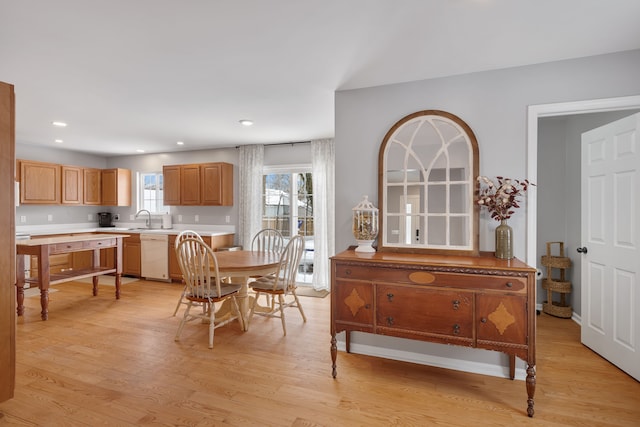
(535, 112)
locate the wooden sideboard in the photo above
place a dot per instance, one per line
(473, 301)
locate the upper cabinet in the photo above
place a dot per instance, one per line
(52, 184)
(39, 183)
(72, 185)
(92, 186)
(116, 187)
(209, 184)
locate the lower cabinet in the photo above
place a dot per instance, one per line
(215, 242)
(479, 301)
(131, 256)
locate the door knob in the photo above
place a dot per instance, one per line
(582, 250)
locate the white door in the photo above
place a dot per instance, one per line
(610, 237)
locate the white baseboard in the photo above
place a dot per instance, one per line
(437, 361)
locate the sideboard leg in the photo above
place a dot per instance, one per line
(334, 355)
(531, 388)
(512, 366)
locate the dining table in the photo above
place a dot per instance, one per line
(239, 267)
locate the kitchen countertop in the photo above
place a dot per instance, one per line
(125, 228)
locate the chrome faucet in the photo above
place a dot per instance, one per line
(148, 222)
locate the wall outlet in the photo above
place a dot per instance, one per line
(197, 218)
(49, 217)
(132, 217)
(179, 218)
(227, 219)
(90, 217)
(23, 218)
(116, 217)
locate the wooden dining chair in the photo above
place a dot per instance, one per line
(199, 268)
(179, 238)
(281, 283)
(267, 239)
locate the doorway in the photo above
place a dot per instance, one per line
(574, 112)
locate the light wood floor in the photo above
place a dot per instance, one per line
(98, 361)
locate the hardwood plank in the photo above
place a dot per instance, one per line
(99, 361)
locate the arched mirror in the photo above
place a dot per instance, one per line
(427, 169)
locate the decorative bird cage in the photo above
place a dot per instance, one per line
(365, 225)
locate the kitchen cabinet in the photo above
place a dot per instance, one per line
(190, 185)
(474, 301)
(92, 186)
(171, 185)
(199, 184)
(131, 256)
(39, 182)
(116, 187)
(72, 185)
(214, 242)
(217, 184)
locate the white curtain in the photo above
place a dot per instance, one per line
(250, 176)
(322, 170)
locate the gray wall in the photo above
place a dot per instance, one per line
(494, 104)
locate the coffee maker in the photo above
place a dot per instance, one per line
(104, 219)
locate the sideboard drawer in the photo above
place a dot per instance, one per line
(422, 309)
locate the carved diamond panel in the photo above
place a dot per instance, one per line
(354, 302)
(502, 318)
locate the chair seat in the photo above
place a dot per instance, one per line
(265, 284)
(225, 289)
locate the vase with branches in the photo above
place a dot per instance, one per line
(501, 197)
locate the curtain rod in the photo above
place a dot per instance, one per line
(281, 143)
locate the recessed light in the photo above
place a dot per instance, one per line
(246, 122)
(59, 124)
(180, 143)
(59, 141)
(139, 151)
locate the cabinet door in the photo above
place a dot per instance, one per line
(501, 318)
(217, 184)
(116, 187)
(354, 302)
(39, 183)
(433, 311)
(171, 185)
(131, 258)
(92, 186)
(190, 185)
(72, 185)
(174, 268)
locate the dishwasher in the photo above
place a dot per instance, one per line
(154, 250)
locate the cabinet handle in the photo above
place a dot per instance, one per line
(389, 320)
(367, 306)
(456, 329)
(390, 297)
(483, 320)
(456, 304)
(509, 285)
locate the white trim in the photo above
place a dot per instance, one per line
(534, 112)
(431, 360)
(296, 168)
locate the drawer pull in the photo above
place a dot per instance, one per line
(456, 329)
(389, 320)
(68, 246)
(509, 285)
(390, 297)
(367, 306)
(483, 320)
(456, 304)
(347, 272)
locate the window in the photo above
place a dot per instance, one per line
(150, 192)
(288, 207)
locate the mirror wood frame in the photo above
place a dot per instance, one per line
(382, 198)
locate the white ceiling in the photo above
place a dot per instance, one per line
(143, 74)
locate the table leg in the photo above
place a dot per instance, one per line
(20, 284)
(43, 280)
